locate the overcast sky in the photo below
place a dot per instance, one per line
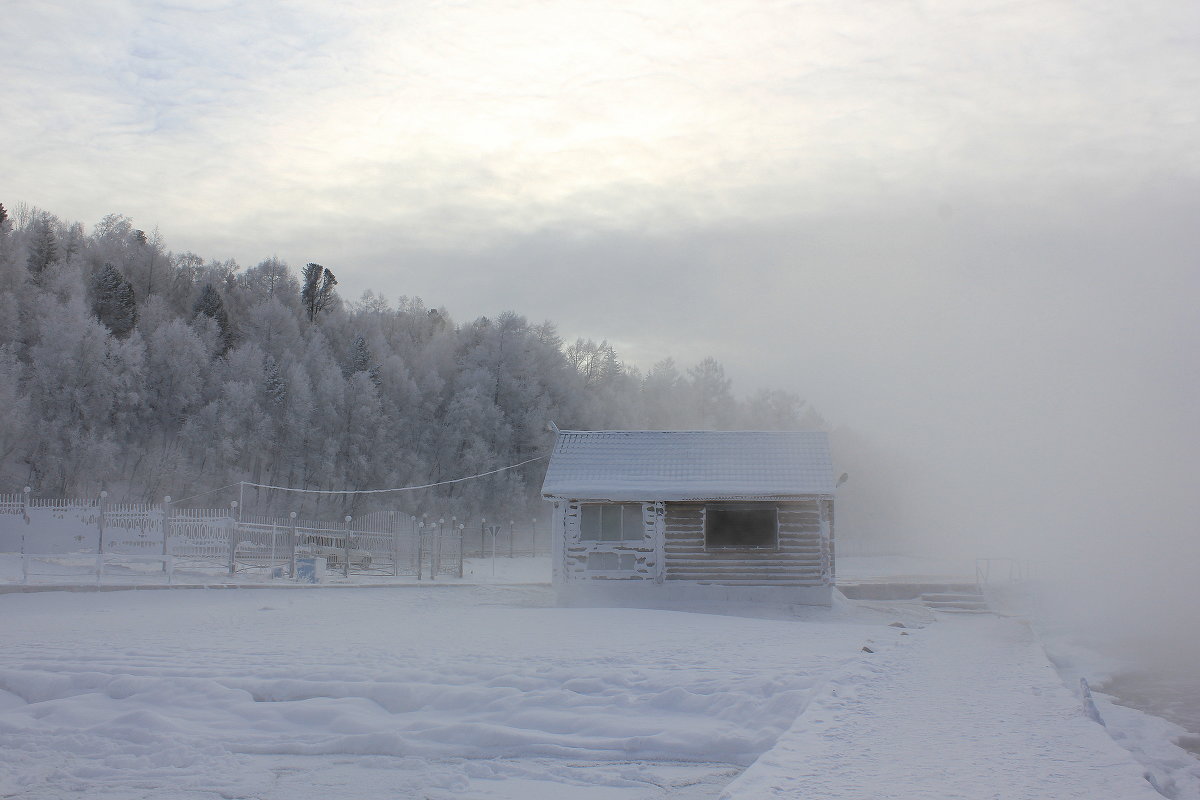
(967, 229)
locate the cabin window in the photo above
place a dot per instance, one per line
(733, 526)
(611, 561)
(611, 522)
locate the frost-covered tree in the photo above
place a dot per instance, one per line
(772, 410)
(102, 390)
(270, 278)
(666, 402)
(73, 386)
(16, 421)
(176, 372)
(712, 395)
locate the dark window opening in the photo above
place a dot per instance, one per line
(742, 527)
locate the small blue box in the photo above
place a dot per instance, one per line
(306, 570)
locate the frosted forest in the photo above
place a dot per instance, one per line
(130, 368)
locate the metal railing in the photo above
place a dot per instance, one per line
(75, 533)
(1002, 570)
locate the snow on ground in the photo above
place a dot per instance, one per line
(489, 691)
(79, 569)
(902, 569)
(968, 707)
(445, 691)
(1107, 654)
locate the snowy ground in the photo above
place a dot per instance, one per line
(436, 692)
(490, 692)
(80, 570)
(479, 688)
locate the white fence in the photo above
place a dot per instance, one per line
(67, 533)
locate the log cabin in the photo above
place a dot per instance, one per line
(664, 518)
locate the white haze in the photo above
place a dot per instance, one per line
(968, 234)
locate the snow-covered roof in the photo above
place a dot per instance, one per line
(688, 465)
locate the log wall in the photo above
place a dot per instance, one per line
(803, 557)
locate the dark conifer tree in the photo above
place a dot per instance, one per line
(113, 301)
(317, 292)
(273, 383)
(43, 247)
(360, 356)
(211, 305)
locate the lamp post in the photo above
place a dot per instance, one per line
(25, 516)
(233, 534)
(436, 565)
(461, 528)
(103, 503)
(292, 519)
(420, 547)
(166, 528)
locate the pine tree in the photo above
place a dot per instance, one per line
(317, 292)
(712, 393)
(211, 305)
(6, 227)
(43, 247)
(113, 301)
(360, 360)
(273, 383)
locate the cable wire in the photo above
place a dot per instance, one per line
(382, 491)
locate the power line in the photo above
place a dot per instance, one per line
(210, 491)
(382, 491)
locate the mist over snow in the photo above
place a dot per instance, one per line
(965, 234)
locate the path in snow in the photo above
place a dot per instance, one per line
(966, 707)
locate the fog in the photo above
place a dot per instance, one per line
(1015, 375)
(966, 235)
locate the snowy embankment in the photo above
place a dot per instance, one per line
(1109, 649)
(968, 707)
(484, 691)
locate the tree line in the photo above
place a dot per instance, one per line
(130, 368)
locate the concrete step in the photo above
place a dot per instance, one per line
(898, 590)
(957, 602)
(952, 597)
(957, 610)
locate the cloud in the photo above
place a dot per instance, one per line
(516, 116)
